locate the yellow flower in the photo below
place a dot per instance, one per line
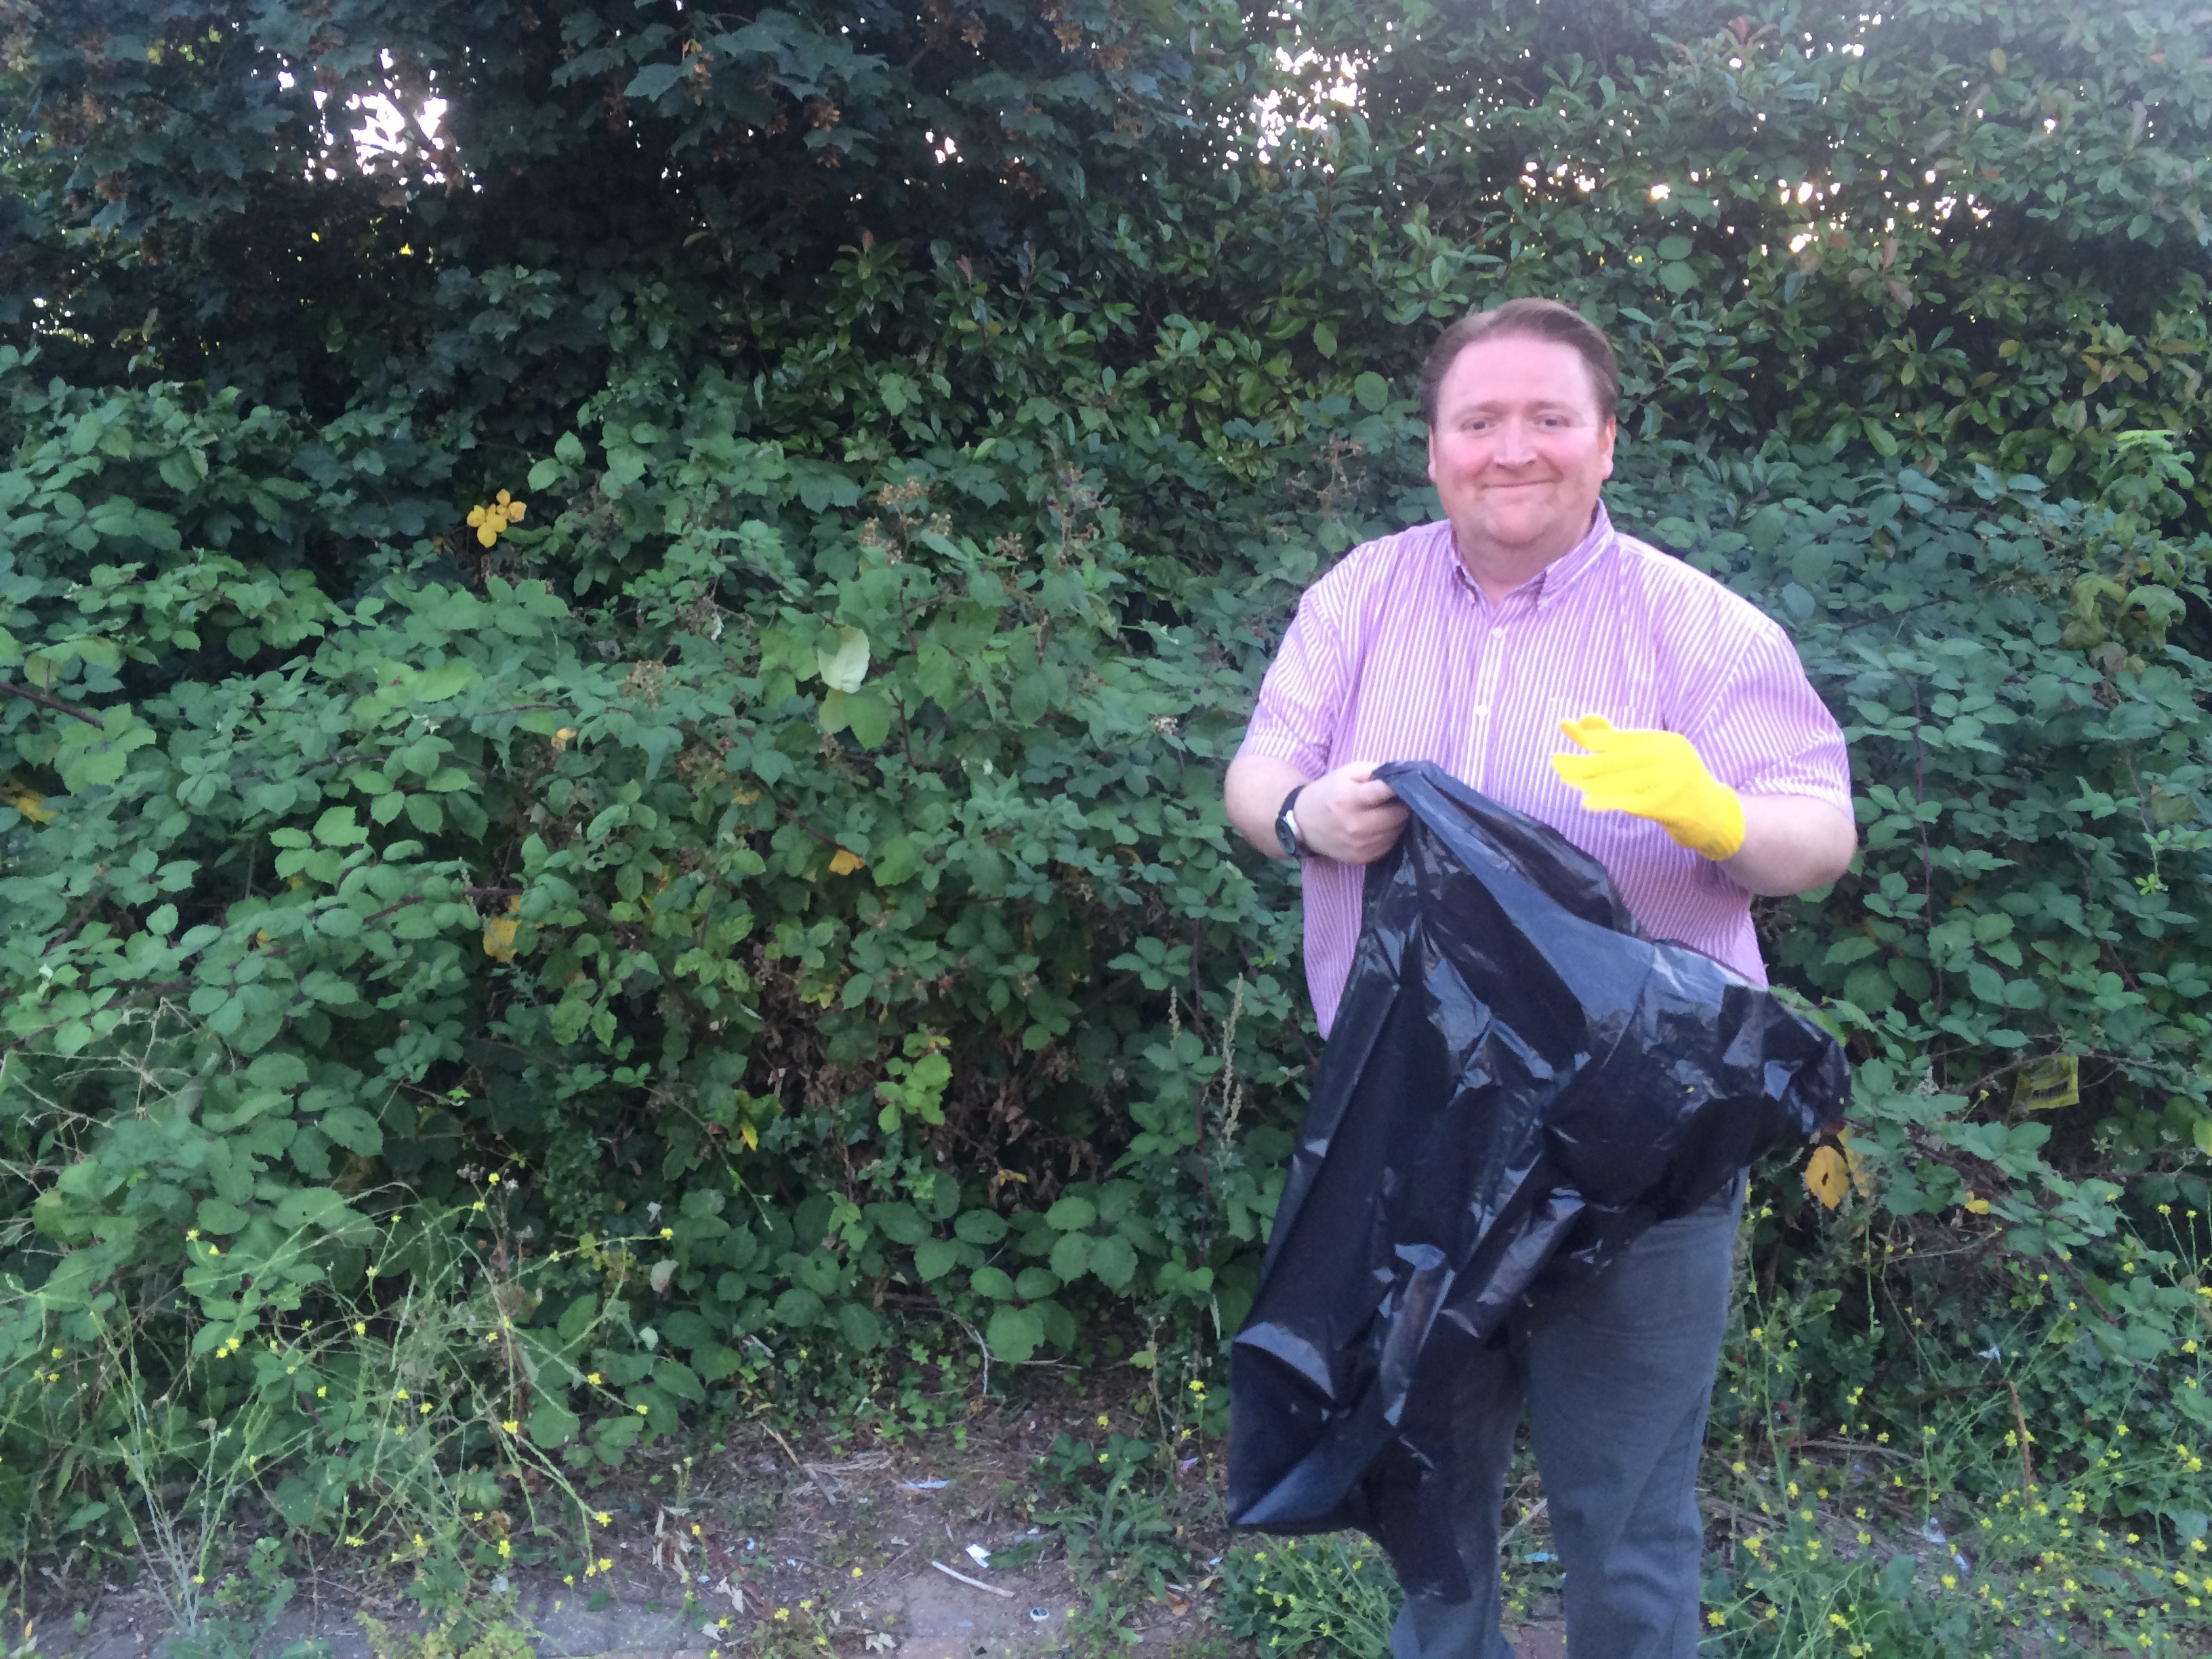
(606, 1564)
(191, 1232)
(494, 1181)
(399, 1394)
(640, 1410)
(668, 1232)
(512, 1426)
(323, 1392)
(602, 1516)
(506, 1549)
(593, 1378)
(488, 521)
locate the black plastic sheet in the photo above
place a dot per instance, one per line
(1519, 1082)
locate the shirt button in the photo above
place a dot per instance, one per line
(1498, 633)
(1482, 711)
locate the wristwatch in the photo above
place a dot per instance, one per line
(1286, 824)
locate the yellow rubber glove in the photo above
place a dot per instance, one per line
(1655, 776)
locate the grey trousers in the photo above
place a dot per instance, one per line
(1615, 1377)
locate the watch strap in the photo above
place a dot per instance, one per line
(1286, 824)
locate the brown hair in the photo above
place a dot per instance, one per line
(1528, 320)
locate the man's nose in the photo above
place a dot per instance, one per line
(1512, 446)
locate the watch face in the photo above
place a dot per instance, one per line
(1286, 832)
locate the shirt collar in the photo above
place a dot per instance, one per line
(1554, 579)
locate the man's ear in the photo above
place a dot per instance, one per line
(1432, 457)
(1612, 431)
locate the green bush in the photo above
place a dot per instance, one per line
(676, 644)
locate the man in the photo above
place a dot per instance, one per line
(1665, 727)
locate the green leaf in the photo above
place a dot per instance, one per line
(858, 1323)
(354, 1129)
(551, 1422)
(1071, 1255)
(1071, 1214)
(993, 1282)
(1033, 1282)
(1871, 987)
(448, 679)
(1324, 339)
(680, 1380)
(653, 80)
(934, 1258)
(1372, 391)
(218, 1215)
(798, 1306)
(1014, 1334)
(900, 1222)
(317, 1206)
(1113, 1259)
(868, 714)
(980, 1227)
(897, 859)
(336, 828)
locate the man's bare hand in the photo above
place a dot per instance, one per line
(1347, 816)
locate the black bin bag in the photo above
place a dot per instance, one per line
(1517, 1084)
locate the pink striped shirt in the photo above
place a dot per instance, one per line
(1396, 656)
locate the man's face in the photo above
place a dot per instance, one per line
(1519, 449)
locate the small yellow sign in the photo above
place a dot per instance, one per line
(2045, 1085)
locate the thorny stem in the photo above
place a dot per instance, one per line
(45, 702)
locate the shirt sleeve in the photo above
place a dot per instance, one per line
(1764, 731)
(1303, 698)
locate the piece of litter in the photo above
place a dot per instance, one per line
(1539, 1555)
(925, 1485)
(1932, 1530)
(977, 1583)
(1040, 1613)
(1965, 1565)
(1993, 1352)
(979, 1555)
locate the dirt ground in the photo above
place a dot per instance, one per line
(784, 1541)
